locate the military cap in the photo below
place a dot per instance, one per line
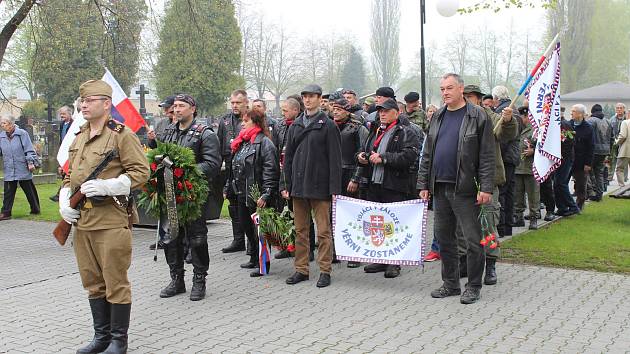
(312, 88)
(369, 101)
(473, 89)
(412, 97)
(95, 88)
(390, 103)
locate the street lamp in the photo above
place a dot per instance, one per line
(446, 8)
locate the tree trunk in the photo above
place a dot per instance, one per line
(11, 26)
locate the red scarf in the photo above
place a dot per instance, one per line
(380, 133)
(245, 134)
(289, 122)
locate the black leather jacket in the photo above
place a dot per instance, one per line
(255, 163)
(202, 141)
(475, 153)
(399, 160)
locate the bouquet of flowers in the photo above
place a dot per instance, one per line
(276, 227)
(190, 185)
(488, 237)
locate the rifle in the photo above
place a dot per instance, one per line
(62, 231)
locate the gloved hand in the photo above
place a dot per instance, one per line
(67, 213)
(107, 187)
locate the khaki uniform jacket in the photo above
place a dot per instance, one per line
(503, 133)
(624, 139)
(86, 154)
(525, 167)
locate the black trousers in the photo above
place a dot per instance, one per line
(10, 187)
(376, 193)
(506, 199)
(451, 210)
(547, 194)
(245, 217)
(195, 235)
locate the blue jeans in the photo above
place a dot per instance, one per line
(561, 178)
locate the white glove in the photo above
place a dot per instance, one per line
(67, 213)
(103, 187)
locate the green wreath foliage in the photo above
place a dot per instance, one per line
(190, 185)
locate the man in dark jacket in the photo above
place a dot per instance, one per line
(603, 140)
(460, 180)
(381, 95)
(312, 174)
(232, 123)
(206, 146)
(510, 153)
(414, 112)
(389, 153)
(355, 108)
(584, 141)
(564, 202)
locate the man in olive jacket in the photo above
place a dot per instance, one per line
(312, 170)
(452, 176)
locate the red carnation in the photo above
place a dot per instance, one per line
(488, 238)
(188, 184)
(178, 172)
(154, 182)
(179, 199)
(483, 242)
(493, 237)
(180, 186)
(153, 166)
(493, 245)
(291, 248)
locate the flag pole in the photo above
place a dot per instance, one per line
(535, 69)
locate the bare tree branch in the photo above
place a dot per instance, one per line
(10, 28)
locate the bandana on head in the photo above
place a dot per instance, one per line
(186, 98)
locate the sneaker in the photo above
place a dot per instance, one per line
(432, 257)
(470, 296)
(443, 292)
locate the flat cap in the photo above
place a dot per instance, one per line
(385, 92)
(473, 89)
(312, 88)
(390, 103)
(95, 88)
(412, 97)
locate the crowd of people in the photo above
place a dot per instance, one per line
(474, 150)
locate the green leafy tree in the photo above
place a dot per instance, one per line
(75, 38)
(353, 72)
(199, 51)
(35, 109)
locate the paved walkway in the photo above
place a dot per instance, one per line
(43, 308)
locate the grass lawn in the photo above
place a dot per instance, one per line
(50, 209)
(599, 239)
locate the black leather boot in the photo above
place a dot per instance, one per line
(176, 286)
(120, 325)
(463, 266)
(238, 244)
(198, 291)
(491, 272)
(102, 337)
(533, 223)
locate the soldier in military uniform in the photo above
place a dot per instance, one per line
(102, 237)
(205, 144)
(414, 111)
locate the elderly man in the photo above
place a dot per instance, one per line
(506, 130)
(615, 122)
(387, 156)
(65, 116)
(102, 237)
(460, 180)
(584, 144)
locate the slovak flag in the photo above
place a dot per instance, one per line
(122, 110)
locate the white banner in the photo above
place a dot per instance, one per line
(390, 233)
(545, 116)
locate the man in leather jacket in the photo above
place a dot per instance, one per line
(206, 147)
(460, 180)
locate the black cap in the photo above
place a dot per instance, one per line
(412, 97)
(523, 110)
(168, 101)
(312, 88)
(390, 103)
(488, 96)
(325, 96)
(385, 92)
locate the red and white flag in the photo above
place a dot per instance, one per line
(122, 110)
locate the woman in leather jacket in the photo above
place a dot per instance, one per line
(254, 162)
